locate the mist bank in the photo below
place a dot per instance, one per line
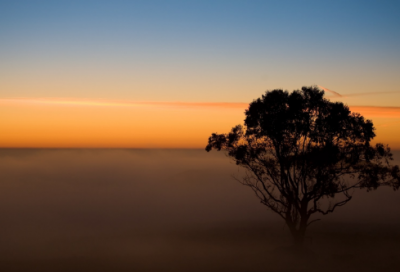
(167, 209)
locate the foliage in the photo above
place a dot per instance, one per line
(301, 150)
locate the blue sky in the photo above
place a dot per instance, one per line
(197, 50)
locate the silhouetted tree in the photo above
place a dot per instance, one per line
(305, 154)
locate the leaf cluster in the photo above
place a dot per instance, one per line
(299, 148)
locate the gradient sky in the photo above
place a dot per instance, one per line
(111, 73)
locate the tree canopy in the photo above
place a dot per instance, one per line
(301, 150)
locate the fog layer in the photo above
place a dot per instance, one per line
(170, 210)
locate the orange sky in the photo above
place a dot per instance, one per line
(71, 123)
(103, 123)
(104, 54)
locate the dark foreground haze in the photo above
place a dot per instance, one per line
(171, 210)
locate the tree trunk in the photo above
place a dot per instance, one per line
(298, 232)
(298, 238)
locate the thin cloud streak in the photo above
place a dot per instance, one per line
(368, 111)
(107, 103)
(336, 94)
(371, 111)
(330, 91)
(371, 93)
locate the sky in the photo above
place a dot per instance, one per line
(167, 74)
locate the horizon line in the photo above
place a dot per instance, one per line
(124, 148)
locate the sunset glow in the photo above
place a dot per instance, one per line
(102, 123)
(167, 74)
(72, 123)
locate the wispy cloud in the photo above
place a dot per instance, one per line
(370, 93)
(371, 111)
(113, 103)
(367, 111)
(330, 91)
(336, 94)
